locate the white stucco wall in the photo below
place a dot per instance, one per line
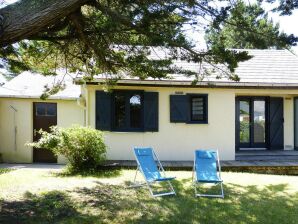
(173, 141)
(68, 113)
(177, 141)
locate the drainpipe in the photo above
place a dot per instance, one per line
(81, 105)
(87, 104)
(15, 126)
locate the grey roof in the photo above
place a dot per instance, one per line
(265, 68)
(273, 66)
(31, 85)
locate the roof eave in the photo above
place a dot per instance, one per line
(38, 97)
(204, 84)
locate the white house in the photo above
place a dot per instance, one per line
(173, 116)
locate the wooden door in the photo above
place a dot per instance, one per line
(44, 116)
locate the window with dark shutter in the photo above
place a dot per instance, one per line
(103, 111)
(198, 108)
(127, 110)
(179, 108)
(190, 108)
(151, 111)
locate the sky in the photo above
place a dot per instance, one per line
(288, 24)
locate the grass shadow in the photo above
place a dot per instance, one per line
(99, 173)
(241, 205)
(107, 203)
(49, 207)
(5, 170)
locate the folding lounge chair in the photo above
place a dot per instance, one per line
(152, 170)
(206, 169)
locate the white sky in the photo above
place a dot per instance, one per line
(288, 24)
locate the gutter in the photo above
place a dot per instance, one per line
(38, 97)
(205, 84)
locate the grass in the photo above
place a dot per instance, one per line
(35, 196)
(4, 170)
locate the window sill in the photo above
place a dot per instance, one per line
(189, 122)
(127, 131)
(197, 122)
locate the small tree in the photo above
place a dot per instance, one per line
(84, 147)
(248, 27)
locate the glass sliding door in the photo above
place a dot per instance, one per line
(251, 122)
(259, 128)
(244, 121)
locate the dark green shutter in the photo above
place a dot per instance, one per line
(276, 122)
(103, 110)
(150, 111)
(179, 108)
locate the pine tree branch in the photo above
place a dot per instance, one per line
(26, 18)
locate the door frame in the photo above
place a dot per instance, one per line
(295, 126)
(251, 144)
(33, 128)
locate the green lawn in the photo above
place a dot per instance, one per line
(43, 196)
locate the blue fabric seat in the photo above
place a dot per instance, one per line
(151, 168)
(207, 169)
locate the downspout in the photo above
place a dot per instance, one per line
(79, 103)
(15, 126)
(87, 104)
(84, 105)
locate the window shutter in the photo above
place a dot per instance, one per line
(276, 123)
(179, 108)
(103, 110)
(151, 111)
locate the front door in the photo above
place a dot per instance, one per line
(251, 123)
(44, 116)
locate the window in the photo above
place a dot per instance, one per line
(128, 110)
(135, 106)
(198, 108)
(189, 108)
(46, 109)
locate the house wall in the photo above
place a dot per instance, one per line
(173, 141)
(68, 113)
(177, 141)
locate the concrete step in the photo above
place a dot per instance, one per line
(266, 158)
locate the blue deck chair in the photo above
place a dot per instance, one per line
(152, 170)
(207, 169)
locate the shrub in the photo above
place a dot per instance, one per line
(82, 146)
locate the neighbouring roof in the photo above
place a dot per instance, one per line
(266, 68)
(2, 80)
(31, 85)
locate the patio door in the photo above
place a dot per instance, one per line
(251, 123)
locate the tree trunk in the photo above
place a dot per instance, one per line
(28, 17)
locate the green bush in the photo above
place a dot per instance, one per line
(84, 147)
